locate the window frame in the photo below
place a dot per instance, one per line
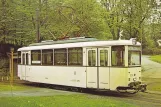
(123, 55)
(27, 58)
(106, 57)
(139, 57)
(79, 54)
(92, 57)
(39, 58)
(65, 58)
(19, 57)
(47, 52)
(23, 59)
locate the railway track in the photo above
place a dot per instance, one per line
(147, 100)
(140, 99)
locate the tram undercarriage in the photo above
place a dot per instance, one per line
(133, 87)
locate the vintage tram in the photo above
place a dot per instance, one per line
(83, 62)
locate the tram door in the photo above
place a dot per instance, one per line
(92, 77)
(103, 68)
(98, 68)
(25, 62)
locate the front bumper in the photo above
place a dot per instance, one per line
(136, 86)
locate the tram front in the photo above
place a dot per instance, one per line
(133, 69)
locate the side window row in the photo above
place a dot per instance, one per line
(71, 56)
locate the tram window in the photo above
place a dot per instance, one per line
(103, 57)
(27, 59)
(19, 57)
(36, 57)
(118, 56)
(60, 57)
(91, 58)
(134, 58)
(47, 57)
(75, 56)
(23, 59)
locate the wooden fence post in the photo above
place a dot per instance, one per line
(11, 67)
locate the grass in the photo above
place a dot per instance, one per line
(74, 100)
(15, 87)
(156, 58)
(153, 84)
(62, 101)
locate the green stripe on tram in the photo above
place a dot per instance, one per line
(51, 42)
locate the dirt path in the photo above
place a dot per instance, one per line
(151, 69)
(35, 92)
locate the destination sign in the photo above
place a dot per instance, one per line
(134, 48)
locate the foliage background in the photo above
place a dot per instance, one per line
(22, 20)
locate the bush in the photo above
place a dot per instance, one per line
(151, 51)
(4, 66)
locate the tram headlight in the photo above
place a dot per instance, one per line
(134, 79)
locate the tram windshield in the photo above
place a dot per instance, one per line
(134, 56)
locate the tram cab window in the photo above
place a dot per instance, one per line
(118, 55)
(75, 56)
(134, 56)
(60, 57)
(47, 57)
(36, 57)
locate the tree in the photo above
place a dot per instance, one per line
(78, 18)
(128, 16)
(6, 21)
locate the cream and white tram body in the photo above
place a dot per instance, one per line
(83, 63)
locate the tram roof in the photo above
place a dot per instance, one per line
(95, 43)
